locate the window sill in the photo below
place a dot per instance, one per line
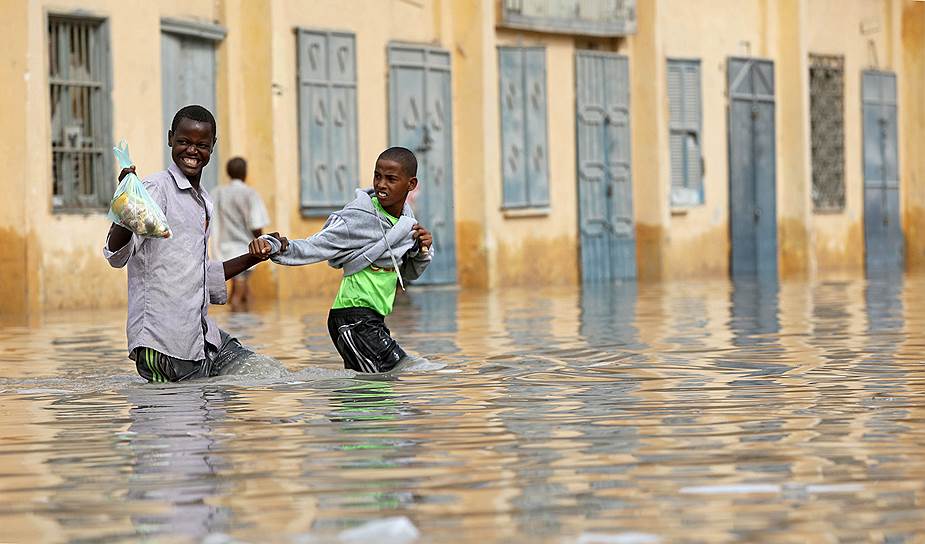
(520, 213)
(828, 211)
(684, 210)
(95, 210)
(318, 212)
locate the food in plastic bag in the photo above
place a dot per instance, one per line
(132, 205)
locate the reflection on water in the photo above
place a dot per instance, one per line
(700, 412)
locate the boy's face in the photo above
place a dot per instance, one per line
(191, 146)
(391, 183)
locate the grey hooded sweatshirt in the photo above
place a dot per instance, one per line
(356, 237)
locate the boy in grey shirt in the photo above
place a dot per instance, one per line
(379, 244)
(171, 281)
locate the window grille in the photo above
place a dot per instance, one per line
(827, 123)
(78, 56)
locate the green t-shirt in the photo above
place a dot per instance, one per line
(371, 287)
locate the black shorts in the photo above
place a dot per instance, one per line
(155, 366)
(363, 340)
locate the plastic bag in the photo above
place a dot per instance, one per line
(132, 205)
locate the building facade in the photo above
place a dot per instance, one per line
(559, 141)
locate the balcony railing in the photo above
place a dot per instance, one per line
(582, 17)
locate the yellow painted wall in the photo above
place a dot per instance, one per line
(912, 130)
(473, 80)
(696, 239)
(15, 246)
(71, 271)
(375, 23)
(835, 28)
(537, 248)
(53, 261)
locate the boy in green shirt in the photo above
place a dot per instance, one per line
(378, 243)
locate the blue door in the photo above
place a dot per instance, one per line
(605, 191)
(188, 77)
(883, 236)
(420, 119)
(752, 176)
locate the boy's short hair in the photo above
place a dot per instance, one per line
(194, 112)
(402, 156)
(236, 168)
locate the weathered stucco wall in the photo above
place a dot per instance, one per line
(835, 28)
(375, 23)
(17, 251)
(71, 271)
(694, 240)
(53, 260)
(912, 130)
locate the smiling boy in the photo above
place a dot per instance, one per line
(171, 281)
(367, 239)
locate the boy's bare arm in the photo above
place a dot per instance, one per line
(257, 252)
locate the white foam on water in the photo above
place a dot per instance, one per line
(732, 489)
(618, 538)
(395, 530)
(834, 488)
(420, 364)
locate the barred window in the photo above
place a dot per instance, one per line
(827, 122)
(81, 139)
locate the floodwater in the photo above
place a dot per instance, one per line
(673, 412)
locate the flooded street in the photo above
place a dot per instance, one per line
(676, 412)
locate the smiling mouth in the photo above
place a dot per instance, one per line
(190, 162)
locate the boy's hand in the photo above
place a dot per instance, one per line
(284, 242)
(259, 248)
(423, 236)
(127, 171)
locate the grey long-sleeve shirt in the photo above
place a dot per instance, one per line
(356, 237)
(171, 281)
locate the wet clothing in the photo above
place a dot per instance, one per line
(155, 366)
(171, 281)
(368, 244)
(363, 340)
(239, 211)
(372, 287)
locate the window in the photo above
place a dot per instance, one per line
(584, 17)
(81, 137)
(685, 112)
(327, 120)
(827, 123)
(524, 168)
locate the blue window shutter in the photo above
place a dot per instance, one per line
(343, 117)
(685, 111)
(693, 112)
(513, 154)
(537, 163)
(327, 120)
(524, 147)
